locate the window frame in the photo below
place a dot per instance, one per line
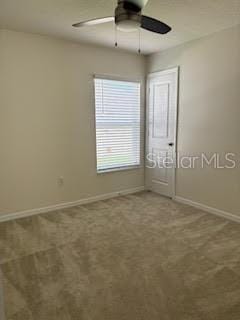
(124, 79)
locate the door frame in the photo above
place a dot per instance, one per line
(176, 71)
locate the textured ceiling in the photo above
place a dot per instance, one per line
(190, 19)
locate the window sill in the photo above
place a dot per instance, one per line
(119, 169)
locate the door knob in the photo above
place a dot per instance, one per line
(171, 144)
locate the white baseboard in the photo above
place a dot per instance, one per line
(27, 213)
(208, 209)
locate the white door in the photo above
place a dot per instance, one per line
(161, 131)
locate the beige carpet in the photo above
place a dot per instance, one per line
(138, 257)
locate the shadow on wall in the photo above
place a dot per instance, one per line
(2, 317)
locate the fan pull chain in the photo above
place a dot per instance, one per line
(139, 41)
(116, 39)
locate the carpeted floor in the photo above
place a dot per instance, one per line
(137, 257)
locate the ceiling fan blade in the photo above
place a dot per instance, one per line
(154, 25)
(93, 22)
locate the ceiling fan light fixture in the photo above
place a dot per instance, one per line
(128, 25)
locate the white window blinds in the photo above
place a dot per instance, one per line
(117, 106)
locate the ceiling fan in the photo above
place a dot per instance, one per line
(128, 17)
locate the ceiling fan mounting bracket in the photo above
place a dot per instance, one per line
(128, 5)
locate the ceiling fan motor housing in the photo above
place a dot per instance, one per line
(127, 16)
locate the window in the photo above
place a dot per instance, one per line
(117, 105)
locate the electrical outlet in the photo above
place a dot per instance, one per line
(60, 181)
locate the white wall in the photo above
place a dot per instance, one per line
(209, 114)
(47, 120)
